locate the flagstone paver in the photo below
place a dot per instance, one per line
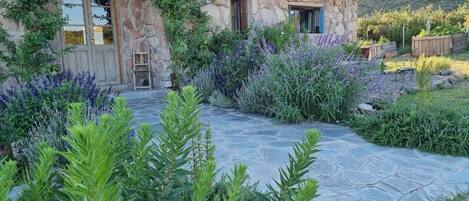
(347, 167)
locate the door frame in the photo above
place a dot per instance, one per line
(87, 12)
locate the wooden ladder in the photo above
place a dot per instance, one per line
(141, 65)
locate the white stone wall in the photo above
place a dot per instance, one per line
(340, 15)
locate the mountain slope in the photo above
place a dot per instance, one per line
(367, 6)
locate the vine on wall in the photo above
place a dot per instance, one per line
(187, 31)
(29, 56)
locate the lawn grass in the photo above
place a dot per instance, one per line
(459, 64)
(436, 121)
(460, 197)
(456, 98)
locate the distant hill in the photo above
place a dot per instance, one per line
(368, 6)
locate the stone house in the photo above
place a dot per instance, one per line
(104, 33)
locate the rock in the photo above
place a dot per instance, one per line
(16, 192)
(441, 83)
(366, 108)
(445, 73)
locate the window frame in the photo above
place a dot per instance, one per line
(314, 13)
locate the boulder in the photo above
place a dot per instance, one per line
(441, 83)
(366, 108)
(445, 73)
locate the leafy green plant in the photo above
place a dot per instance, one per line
(7, 175)
(223, 41)
(280, 36)
(188, 44)
(424, 76)
(40, 186)
(29, 56)
(220, 100)
(291, 183)
(234, 186)
(179, 166)
(88, 176)
(383, 40)
(352, 48)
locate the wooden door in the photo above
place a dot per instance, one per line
(239, 15)
(89, 35)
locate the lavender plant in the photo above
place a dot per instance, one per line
(204, 83)
(255, 96)
(230, 70)
(311, 79)
(20, 107)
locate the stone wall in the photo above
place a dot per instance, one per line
(340, 15)
(142, 29)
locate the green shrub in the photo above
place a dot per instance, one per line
(424, 76)
(434, 64)
(220, 100)
(105, 161)
(31, 55)
(390, 23)
(353, 48)
(435, 124)
(383, 40)
(442, 31)
(280, 36)
(223, 41)
(188, 44)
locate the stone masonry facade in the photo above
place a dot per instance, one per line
(340, 15)
(140, 27)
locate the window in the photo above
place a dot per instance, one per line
(311, 20)
(74, 30)
(239, 20)
(88, 21)
(102, 22)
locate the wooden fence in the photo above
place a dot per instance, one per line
(439, 45)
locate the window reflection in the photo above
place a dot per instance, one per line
(101, 2)
(72, 1)
(102, 35)
(75, 35)
(73, 14)
(102, 16)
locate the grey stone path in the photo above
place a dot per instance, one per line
(347, 168)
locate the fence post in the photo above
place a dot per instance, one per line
(403, 36)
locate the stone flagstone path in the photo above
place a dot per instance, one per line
(347, 167)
